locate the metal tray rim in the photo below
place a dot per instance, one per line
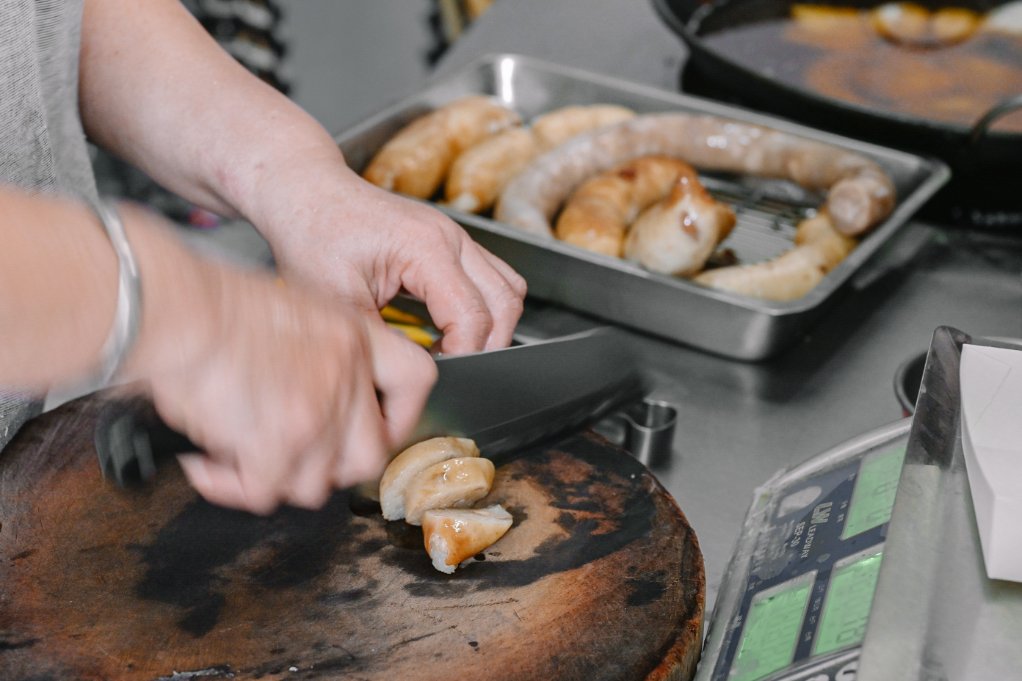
(936, 173)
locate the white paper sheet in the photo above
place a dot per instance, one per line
(991, 386)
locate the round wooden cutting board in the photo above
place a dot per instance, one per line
(600, 577)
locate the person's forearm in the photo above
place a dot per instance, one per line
(156, 90)
(58, 291)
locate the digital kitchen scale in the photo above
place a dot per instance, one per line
(798, 591)
(863, 563)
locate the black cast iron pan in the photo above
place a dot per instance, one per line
(986, 164)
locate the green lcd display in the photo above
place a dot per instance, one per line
(873, 494)
(846, 607)
(771, 629)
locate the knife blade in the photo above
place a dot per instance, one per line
(508, 399)
(503, 399)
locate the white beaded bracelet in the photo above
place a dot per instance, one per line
(127, 317)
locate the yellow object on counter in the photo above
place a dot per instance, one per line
(415, 333)
(414, 327)
(392, 314)
(410, 325)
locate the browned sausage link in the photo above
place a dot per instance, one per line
(416, 160)
(480, 173)
(677, 235)
(708, 143)
(598, 213)
(858, 202)
(819, 249)
(482, 170)
(558, 126)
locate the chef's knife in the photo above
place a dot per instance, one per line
(503, 399)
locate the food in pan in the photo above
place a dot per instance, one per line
(912, 25)
(859, 192)
(818, 249)
(932, 61)
(677, 235)
(404, 468)
(416, 160)
(596, 216)
(455, 483)
(480, 172)
(452, 536)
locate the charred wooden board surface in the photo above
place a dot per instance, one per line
(599, 578)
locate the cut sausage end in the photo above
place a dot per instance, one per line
(412, 461)
(452, 536)
(455, 483)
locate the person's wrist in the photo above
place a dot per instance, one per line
(183, 296)
(292, 187)
(123, 333)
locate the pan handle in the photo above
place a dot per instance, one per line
(982, 125)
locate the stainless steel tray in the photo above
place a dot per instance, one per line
(620, 291)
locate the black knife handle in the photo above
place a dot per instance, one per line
(132, 440)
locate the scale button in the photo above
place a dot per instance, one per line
(797, 501)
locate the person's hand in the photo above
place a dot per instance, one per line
(344, 235)
(283, 396)
(253, 153)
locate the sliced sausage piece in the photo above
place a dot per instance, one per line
(452, 536)
(455, 483)
(412, 461)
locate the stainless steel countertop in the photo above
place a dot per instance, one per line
(739, 423)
